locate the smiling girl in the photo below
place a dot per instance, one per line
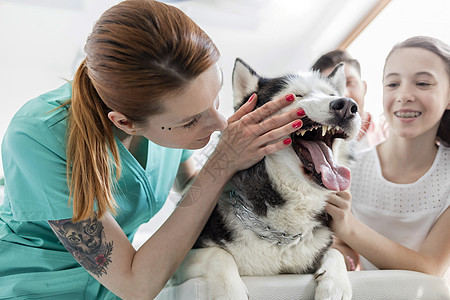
(397, 214)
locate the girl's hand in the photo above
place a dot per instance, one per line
(339, 208)
(253, 134)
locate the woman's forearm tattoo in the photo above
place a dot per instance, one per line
(85, 240)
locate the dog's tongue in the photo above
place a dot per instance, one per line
(334, 177)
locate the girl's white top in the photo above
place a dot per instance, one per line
(403, 213)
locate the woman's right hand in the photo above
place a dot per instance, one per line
(252, 134)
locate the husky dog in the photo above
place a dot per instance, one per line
(270, 218)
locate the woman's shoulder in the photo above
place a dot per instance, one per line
(46, 107)
(42, 119)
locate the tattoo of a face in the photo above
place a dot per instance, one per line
(85, 240)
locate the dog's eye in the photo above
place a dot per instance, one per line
(332, 95)
(299, 95)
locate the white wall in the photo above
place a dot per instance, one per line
(400, 20)
(40, 45)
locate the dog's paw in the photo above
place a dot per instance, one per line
(332, 278)
(218, 269)
(330, 287)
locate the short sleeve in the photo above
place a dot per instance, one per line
(35, 172)
(186, 155)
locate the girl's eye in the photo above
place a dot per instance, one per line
(191, 123)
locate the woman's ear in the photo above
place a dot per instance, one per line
(122, 122)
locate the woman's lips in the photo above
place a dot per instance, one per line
(204, 139)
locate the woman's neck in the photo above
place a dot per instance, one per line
(406, 160)
(131, 142)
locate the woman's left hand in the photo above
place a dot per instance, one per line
(339, 208)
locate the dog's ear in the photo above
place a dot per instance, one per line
(337, 78)
(245, 82)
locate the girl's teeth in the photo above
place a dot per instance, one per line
(407, 114)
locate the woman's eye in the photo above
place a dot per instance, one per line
(191, 123)
(423, 84)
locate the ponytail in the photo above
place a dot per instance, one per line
(92, 153)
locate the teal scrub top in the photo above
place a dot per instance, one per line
(33, 262)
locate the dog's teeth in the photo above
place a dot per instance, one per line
(338, 128)
(333, 131)
(302, 132)
(324, 130)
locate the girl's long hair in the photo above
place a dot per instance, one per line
(442, 50)
(139, 52)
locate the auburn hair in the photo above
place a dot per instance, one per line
(442, 50)
(138, 52)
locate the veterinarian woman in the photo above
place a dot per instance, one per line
(400, 217)
(96, 158)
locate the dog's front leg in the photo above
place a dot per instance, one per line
(332, 278)
(218, 268)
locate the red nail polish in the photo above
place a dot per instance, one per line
(297, 124)
(251, 97)
(290, 97)
(301, 113)
(287, 141)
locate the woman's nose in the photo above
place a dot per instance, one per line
(221, 121)
(216, 122)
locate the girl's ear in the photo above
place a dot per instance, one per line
(121, 122)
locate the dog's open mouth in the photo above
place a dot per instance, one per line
(313, 144)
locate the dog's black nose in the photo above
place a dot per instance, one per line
(344, 108)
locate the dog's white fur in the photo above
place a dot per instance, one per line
(221, 268)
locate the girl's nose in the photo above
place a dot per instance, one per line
(404, 95)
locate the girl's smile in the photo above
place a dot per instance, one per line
(416, 92)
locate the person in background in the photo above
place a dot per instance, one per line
(86, 164)
(396, 214)
(356, 88)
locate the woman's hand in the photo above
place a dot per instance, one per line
(253, 134)
(339, 208)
